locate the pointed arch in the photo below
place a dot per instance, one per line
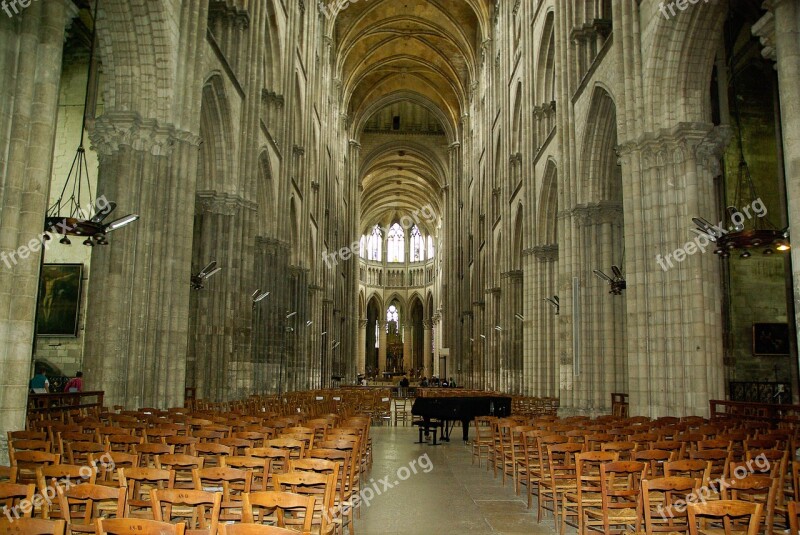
(547, 229)
(546, 90)
(599, 158)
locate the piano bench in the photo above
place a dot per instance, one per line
(426, 427)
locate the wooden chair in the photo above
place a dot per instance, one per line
(17, 497)
(184, 445)
(562, 476)
(182, 465)
(8, 474)
(620, 484)
(587, 491)
(231, 482)
(282, 509)
(655, 460)
(78, 452)
(47, 477)
(32, 526)
(260, 468)
(106, 465)
(482, 441)
(692, 468)
(211, 452)
(756, 489)
(794, 517)
(319, 486)
(82, 504)
(139, 526)
(254, 529)
(277, 457)
(663, 501)
(200, 509)
(344, 486)
(139, 482)
(124, 443)
(542, 470)
(295, 448)
(725, 510)
(148, 451)
(27, 461)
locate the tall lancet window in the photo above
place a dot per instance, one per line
(430, 247)
(417, 245)
(395, 244)
(375, 244)
(392, 319)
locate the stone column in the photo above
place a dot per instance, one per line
(427, 365)
(382, 347)
(673, 308)
(787, 49)
(31, 45)
(139, 297)
(408, 345)
(362, 346)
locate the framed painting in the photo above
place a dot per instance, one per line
(770, 339)
(59, 300)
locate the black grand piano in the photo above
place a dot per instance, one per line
(443, 411)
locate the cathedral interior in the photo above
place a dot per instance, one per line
(520, 195)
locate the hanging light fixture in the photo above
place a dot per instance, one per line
(66, 216)
(739, 233)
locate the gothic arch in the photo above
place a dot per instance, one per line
(547, 224)
(218, 143)
(602, 176)
(676, 81)
(546, 65)
(142, 30)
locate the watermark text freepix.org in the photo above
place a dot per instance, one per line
(680, 4)
(702, 240)
(12, 257)
(15, 5)
(345, 253)
(702, 494)
(376, 488)
(49, 493)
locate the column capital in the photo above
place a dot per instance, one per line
(214, 202)
(455, 145)
(114, 129)
(362, 323)
(355, 145)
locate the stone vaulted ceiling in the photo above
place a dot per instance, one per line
(424, 52)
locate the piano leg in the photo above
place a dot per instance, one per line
(465, 429)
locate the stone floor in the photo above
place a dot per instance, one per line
(446, 495)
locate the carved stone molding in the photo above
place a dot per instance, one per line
(492, 290)
(710, 150)
(115, 129)
(515, 158)
(545, 253)
(426, 324)
(271, 98)
(362, 324)
(515, 275)
(298, 150)
(674, 145)
(601, 212)
(212, 202)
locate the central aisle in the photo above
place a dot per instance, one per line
(446, 495)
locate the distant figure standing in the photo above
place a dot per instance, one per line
(404, 382)
(39, 381)
(75, 384)
(424, 382)
(452, 383)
